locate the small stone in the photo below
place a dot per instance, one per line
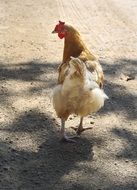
(25, 171)
(12, 159)
(13, 150)
(130, 78)
(36, 182)
(10, 142)
(6, 168)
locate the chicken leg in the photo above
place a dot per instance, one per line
(64, 137)
(80, 128)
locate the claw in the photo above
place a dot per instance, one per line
(68, 139)
(79, 131)
(74, 128)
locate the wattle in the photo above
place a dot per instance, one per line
(61, 35)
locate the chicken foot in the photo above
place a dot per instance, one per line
(80, 128)
(64, 137)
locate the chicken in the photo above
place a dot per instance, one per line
(78, 94)
(74, 46)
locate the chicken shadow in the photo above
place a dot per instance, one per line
(44, 168)
(120, 99)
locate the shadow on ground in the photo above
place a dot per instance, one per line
(54, 165)
(41, 76)
(120, 66)
(121, 101)
(45, 167)
(29, 71)
(129, 151)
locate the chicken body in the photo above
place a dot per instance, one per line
(79, 94)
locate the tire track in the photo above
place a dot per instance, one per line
(77, 17)
(61, 9)
(103, 23)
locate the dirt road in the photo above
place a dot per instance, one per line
(31, 156)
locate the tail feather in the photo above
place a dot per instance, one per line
(99, 97)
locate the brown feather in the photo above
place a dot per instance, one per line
(74, 46)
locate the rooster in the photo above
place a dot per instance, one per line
(79, 94)
(74, 46)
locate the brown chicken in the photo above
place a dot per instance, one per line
(74, 46)
(79, 94)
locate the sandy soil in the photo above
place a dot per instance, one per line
(31, 156)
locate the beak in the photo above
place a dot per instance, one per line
(53, 32)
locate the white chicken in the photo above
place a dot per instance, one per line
(79, 94)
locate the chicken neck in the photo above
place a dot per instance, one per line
(73, 46)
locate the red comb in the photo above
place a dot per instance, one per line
(59, 28)
(60, 22)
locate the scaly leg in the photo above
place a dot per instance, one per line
(64, 137)
(80, 128)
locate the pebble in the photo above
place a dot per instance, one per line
(13, 150)
(130, 78)
(25, 171)
(6, 168)
(10, 142)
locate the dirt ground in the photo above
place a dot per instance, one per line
(31, 155)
